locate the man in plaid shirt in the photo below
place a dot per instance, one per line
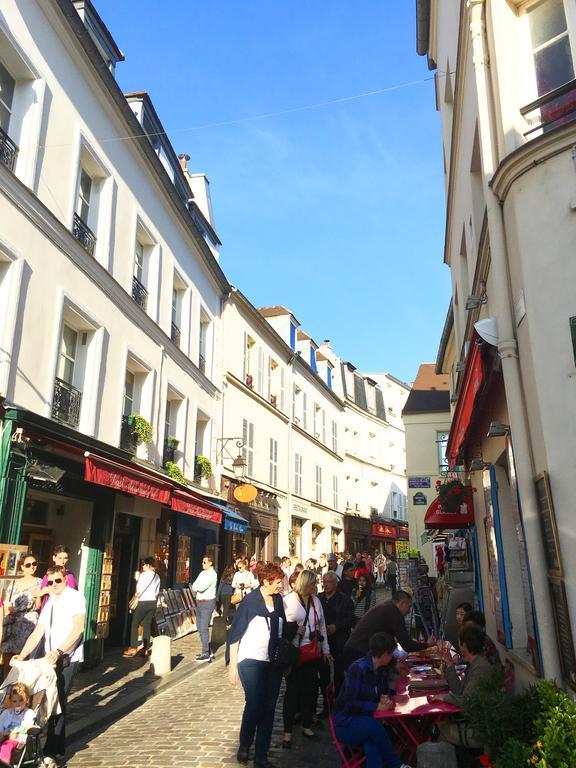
(367, 687)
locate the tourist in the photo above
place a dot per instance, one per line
(204, 590)
(224, 594)
(461, 611)
(61, 624)
(21, 607)
(363, 597)
(347, 582)
(145, 600)
(368, 686)
(60, 557)
(392, 574)
(257, 625)
(333, 564)
(15, 721)
(244, 580)
(302, 606)
(339, 617)
(384, 617)
(297, 569)
(478, 619)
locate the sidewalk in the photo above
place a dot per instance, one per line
(118, 685)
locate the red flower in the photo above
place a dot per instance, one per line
(485, 760)
(438, 483)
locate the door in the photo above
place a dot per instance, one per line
(124, 565)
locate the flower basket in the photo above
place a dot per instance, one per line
(453, 494)
(249, 381)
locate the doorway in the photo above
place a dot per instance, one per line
(124, 565)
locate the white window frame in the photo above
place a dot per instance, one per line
(298, 474)
(248, 446)
(273, 474)
(335, 492)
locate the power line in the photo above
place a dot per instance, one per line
(263, 115)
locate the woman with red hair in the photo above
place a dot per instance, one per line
(252, 643)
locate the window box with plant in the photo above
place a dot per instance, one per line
(175, 472)
(249, 381)
(135, 431)
(202, 468)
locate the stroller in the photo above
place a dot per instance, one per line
(30, 754)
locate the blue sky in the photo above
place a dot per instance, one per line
(336, 212)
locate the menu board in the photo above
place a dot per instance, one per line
(563, 630)
(548, 524)
(105, 606)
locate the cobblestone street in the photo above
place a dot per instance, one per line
(193, 724)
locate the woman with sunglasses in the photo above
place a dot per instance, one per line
(21, 606)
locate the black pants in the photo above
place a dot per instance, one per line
(324, 677)
(301, 694)
(228, 609)
(143, 616)
(56, 731)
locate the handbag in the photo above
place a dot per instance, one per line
(283, 654)
(236, 598)
(311, 651)
(132, 605)
(134, 600)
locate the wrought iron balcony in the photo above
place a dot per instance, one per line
(202, 363)
(66, 403)
(552, 109)
(8, 151)
(175, 333)
(128, 440)
(139, 293)
(169, 452)
(84, 234)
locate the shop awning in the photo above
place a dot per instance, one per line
(437, 519)
(126, 479)
(471, 385)
(196, 506)
(233, 521)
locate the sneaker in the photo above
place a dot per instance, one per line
(203, 657)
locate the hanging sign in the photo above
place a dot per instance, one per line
(245, 493)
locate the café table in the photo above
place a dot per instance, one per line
(413, 716)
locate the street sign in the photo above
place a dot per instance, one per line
(418, 482)
(419, 498)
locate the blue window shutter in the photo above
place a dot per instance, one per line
(292, 336)
(313, 360)
(329, 377)
(501, 564)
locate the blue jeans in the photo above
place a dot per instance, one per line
(261, 683)
(372, 736)
(204, 611)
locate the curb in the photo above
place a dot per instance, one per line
(114, 711)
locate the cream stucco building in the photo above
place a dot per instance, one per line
(505, 89)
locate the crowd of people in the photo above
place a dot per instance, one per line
(321, 626)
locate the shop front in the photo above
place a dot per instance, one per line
(383, 538)
(357, 532)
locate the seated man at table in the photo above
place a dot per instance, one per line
(384, 617)
(490, 651)
(367, 687)
(479, 669)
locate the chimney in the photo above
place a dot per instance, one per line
(184, 161)
(326, 343)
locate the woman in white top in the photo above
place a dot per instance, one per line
(244, 581)
(303, 607)
(147, 589)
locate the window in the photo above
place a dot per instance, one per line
(324, 427)
(282, 390)
(128, 406)
(394, 503)
(335, 491)
(298, 474)
(203, 342)
(67, 395)
(178, 291)
(7, 86)
(248, 447)
(84, 194)
(292, 336)
(260, 372)
(273, 480)
(316, 419)
(329, 376)
(553, 64)
(335, 436)
(313, 364)
(319, 484)
(139, 291)
(442, 442)
(67, 360)
(304, 410)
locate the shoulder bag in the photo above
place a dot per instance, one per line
(311, 651)
(134, 600)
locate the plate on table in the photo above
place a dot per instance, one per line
(460, 667)
(423, 668)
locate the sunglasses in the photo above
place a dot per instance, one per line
(54, 581)
(30, 565)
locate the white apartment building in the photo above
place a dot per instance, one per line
(111, 294)
(506, 93)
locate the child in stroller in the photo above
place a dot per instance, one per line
(15, 722)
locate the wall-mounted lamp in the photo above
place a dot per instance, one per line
(475, 302)
(239, 467)
(497, 429)
(477, 465)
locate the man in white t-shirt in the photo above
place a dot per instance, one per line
(61, 624)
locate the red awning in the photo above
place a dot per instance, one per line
(437, 519)
(195, 506)
(471, 384)
(127, 479)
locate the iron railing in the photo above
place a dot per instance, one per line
(8, 151)
(66, 403)
(128, 440)
(139, 293)
(555, 108)
(175, 333)
(84, 234)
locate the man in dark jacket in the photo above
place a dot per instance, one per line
(339, 615)
(385, 617)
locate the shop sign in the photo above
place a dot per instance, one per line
(403, 531)
(299, 509)
(336, 521)
(187, 505)
(234, 527)
(402, 549)
(419, 482)
(126, 480)
(419, 499)
(385, 531)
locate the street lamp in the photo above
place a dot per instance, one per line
(239, 467)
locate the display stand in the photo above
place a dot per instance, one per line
(106, 608)
(176, 613)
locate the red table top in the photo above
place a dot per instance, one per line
(416, 706)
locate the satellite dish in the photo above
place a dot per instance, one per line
(245, 493)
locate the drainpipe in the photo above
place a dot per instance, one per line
(508, 348)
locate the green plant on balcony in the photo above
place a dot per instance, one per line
(203, 467)
(172, 442)
(175, 472)
(141, 429)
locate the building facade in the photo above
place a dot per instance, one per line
(506, 95)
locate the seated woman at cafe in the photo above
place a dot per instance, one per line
(478, 619)
(471, 640)
(367, 688)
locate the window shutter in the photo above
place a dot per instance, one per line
(282, 389)
(360, 392)
(380, 409)
(304, 410)
(245, 358)
(260, 379)
(269, 379)
(251, 444)
(573, 334)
